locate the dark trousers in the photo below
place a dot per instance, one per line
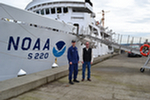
(73, 69)
(88, 64)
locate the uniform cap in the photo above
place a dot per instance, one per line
(73, 41)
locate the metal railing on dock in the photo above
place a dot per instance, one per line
(117, 41)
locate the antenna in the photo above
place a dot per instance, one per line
(103, 16)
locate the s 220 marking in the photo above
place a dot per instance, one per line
(38, 55)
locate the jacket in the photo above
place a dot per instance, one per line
(72, 55)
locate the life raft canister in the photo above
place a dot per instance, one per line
(141, 50)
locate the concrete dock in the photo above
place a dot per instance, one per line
(16, 86)
(118, 78)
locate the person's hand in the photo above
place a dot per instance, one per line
(91, 62)
(78, 62)
(82, 62)
(70, 63)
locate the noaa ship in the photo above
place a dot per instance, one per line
(32, 39)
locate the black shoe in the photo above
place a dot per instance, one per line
(76, 81)
(89, 79)
(70, 82)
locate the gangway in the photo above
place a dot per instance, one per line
(109, 42)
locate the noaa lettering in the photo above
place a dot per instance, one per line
(26, 40)
(37, 45)
(26, 44)
(15, 45)
(46, 45)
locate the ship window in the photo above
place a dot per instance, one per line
(37, 12)
(47, 11)
(74, 10)
(49, 3)
(53, 10)
(59, 10)
(65, 10)
(44, 4)
(42, 11)
(38, 5)
(77, 25)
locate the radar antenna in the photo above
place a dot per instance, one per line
(103, 17)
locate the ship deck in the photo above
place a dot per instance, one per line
(118, 78)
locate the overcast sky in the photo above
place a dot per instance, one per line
(125, 16)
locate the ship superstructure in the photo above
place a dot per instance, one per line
(75, 12)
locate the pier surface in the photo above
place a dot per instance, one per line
(118, 78)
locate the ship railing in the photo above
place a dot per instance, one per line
(118, 41)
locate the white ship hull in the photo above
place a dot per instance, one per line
(11, 60)
(30, 47)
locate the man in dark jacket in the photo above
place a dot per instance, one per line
(73, 59)
(87, 61)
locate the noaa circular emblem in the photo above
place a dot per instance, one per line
(59, 49)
